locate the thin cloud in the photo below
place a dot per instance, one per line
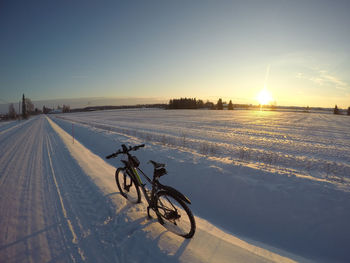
(324, 78)
(334, 80)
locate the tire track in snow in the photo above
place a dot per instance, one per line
(20, 124)
(27, 228)
(12, 147)
(41, 187)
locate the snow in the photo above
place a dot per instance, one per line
(264, 186)
(302, 143)
(209, 243)
(49, 211)
(287, 196)
(10, 125)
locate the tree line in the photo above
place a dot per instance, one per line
(27, 108)
(193, 103)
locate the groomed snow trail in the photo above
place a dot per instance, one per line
(59, 204)
(49, 210)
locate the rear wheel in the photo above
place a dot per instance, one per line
(174, 214)
(127, 186)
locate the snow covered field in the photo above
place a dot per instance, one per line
(316, 145)
(262, 184)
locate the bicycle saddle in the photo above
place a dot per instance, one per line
(157, 165)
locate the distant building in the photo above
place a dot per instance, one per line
(56, 111)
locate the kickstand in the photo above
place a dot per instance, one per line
(149, 216)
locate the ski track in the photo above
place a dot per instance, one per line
(50, 211)
(12, 125)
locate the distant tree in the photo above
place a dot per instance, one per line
(29, 106)
(12, 112)
(37, 111)
(66, 108)
(183, 103)
(46, 110)
(306, 109)
(219, 105)
(24, 107)
(336, 110)
(348, 111)
(200, 104)
(209, 105)
(230, 105)
(189, 103)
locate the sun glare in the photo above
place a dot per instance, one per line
(264, 97)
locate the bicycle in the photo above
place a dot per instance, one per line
(169, 205)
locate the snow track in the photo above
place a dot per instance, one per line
(50, 211)
(12, 125)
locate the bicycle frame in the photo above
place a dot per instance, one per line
(156, 185)
(153, 182)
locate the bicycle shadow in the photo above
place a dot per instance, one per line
(177, 249)
(131, 219)
(182, 248)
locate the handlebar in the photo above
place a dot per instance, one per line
(125, 150)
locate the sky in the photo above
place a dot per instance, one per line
(297, 50)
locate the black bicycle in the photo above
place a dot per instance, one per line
(169, 205)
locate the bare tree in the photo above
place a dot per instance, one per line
(12, 112)
(66, 108)
(29, 105)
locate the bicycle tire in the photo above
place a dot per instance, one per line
(174, 214)
(127, 186)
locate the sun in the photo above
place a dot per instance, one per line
(264, 97)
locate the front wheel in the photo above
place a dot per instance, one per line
(127, 186)
(174, 214)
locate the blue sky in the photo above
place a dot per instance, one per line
(167, 49)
